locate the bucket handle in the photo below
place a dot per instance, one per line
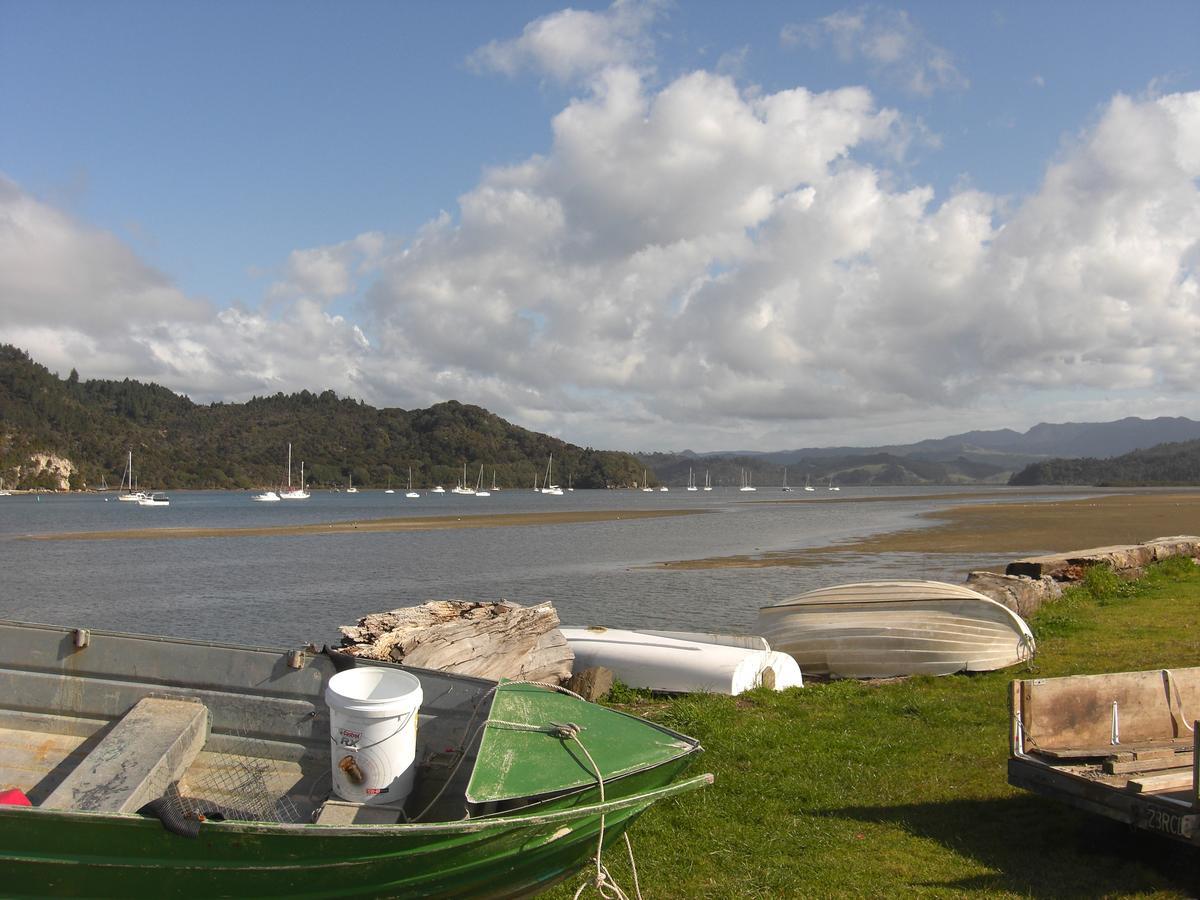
(357, 749)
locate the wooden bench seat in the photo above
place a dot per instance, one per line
(149, 747)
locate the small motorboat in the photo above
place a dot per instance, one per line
(155, 500)
(161, 767)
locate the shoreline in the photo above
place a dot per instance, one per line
(1020, 528)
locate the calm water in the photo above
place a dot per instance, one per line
(283, 591)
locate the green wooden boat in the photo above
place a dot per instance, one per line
(226, 752)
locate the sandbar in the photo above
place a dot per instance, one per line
(414, 523)
(1022, 528)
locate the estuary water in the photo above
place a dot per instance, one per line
(289, 590)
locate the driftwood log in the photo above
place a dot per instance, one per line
(486, 639)
(1128, 560)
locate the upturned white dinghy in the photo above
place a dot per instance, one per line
(880, 629)
(683, 662)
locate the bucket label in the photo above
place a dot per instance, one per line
(348, 738)
(371, 792)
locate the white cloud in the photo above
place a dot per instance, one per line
(888, 41)
(572, 43)
(695, 265)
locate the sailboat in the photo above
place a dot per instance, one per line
(494, 488)
(350, 488)
(786, 489)
(479, 491)
(692, 481)
(299, 493)
(548, 486)
(807, 486)
(131, 494)
(707, 481)
(411, 493)
(461, 487)
(646, 489)
(746, 485)
(7, 493)
(389, 487)
(832, 486)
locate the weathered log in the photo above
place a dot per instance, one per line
(486, 639)
(1127, 559)
(1020, 593)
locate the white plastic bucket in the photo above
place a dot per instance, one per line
(373, 733)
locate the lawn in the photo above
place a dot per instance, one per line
(860, 789)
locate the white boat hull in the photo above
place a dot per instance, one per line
(889, 628)
(644, 659)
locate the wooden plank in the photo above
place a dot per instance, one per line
(151, 746)
(1168, 781)
(1133, 766)
(340, 812)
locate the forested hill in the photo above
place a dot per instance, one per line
(180, 444)
(1176, 463)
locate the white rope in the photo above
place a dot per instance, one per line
(605, 885)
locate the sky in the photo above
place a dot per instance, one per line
(637, 225)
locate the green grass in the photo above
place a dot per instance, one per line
(859, 789)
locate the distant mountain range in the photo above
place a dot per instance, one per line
(971, 457)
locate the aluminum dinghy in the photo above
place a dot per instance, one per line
(881, 629)
(682, 662)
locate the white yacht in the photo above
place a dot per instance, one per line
(299, 493)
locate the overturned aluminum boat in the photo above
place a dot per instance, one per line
(881, 629)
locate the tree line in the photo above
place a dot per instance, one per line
(180, 444)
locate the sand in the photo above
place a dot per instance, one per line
(427, 523)
(1019, 528)
(1022, 529)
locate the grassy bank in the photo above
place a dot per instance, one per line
(898, 788)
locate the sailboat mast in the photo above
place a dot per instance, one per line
(289, 465)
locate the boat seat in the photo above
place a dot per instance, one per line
(149, 747)
(340, 812)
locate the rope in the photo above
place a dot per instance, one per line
(605, 885)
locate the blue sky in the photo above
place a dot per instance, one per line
(217, 174)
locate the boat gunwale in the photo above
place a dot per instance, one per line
(461, 826)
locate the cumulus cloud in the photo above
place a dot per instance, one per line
(695, 264)
(888, 41)
(572, 44)
(76, 296)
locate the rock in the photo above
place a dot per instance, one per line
(591, 684)
(1127, 560)
(1020, 593)
(486, 639)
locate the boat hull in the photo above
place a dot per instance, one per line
(683, 662)
(84, 855)
(888, 629)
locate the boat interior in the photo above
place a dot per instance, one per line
(106, 722)
(1129, 731)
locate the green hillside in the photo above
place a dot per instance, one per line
(180, 444)
(1166, 464)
